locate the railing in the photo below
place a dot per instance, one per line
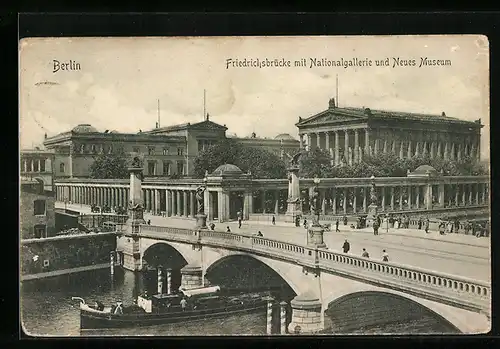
(472, 293)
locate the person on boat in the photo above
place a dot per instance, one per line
(183, 304)
(99, 306)
(119, 308)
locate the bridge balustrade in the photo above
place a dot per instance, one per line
(438, 282)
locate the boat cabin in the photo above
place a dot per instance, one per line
(198, 297)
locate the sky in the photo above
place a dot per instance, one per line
(122, 79)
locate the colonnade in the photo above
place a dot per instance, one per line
(223, 204)
(35, 165)
(350, 145)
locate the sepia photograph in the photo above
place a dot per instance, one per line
(255, 186)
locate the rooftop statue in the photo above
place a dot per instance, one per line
(200, 198)
(294, 160)
(136, 162)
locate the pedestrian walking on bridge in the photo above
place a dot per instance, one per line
(346, 247)
(337, 226)
(426, 226)
(385, 256)
(365, 254)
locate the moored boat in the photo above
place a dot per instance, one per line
(186, 305)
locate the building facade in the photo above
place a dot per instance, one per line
(37, 215)
(167, 150)
(38, 164)
(348, 134)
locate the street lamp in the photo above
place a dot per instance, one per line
(316, 181)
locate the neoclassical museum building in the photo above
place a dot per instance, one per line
(167, 150)
(348, 134)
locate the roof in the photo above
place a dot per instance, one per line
(84, 128)
(227, 170)
(284, 136)
(424, 171)
(336, 115)
(203, 125)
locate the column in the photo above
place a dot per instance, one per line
(185, 203)
(346, 145)
(367, 141)
(441, 195)
(283, 317)
(457, 190)
(276, 201)
(401, 150)
(476, 199)
(401, 198)
(157, 201)
(167, 203)
(263, 201)
(247, 204)
(410, 205)
(178, 203)
(160, 281)
(428, 197)
(470, 186)
(355, 200)
(308, 135)
(356, 146)
(168, 279)
(346, 192)
(484, 193)
(171, 195)
(382, 191)
(452, 157)
(301, 140)
(323, 201)
(463, 195)
(433, 146)
(192, 203)
(334, 201)
(417, 196)
(337, 153)
(269, 317)
(392, 198)
(439, 154)
(365, 204)
(318, 140)
(327, 141)
(409, 153)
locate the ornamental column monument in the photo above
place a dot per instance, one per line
(293, 203)
(132, 255)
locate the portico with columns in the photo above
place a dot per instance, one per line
(348, 134)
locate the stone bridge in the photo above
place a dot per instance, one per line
(323, 281)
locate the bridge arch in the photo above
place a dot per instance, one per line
(258, 271)
(165, 255)
(387, 312)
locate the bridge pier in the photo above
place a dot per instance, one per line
(192, 277)
(306, 314)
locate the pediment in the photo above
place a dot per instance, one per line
(329, 117)
(208, 125)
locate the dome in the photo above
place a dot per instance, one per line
(285, 137)
(84, 128)
(227, 170)
(424, 170)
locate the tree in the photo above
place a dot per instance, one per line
(314, 163)
(110, 166)
(260, 162)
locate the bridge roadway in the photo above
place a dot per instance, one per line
(453, 254)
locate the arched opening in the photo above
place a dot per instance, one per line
(164, 256)
(383, 313)
(247, 273)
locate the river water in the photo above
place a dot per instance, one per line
(47, 309)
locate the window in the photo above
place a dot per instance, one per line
(40, 231)
(93, 149)
(42, 165)
(180, 168)
(151, 150)
(35, 165)
(39, 207)
(152, 168)
(61, 168)
(165, 151)
(180, 151)
(135, 149)
(166, 168)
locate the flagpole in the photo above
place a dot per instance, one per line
(204, 104)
